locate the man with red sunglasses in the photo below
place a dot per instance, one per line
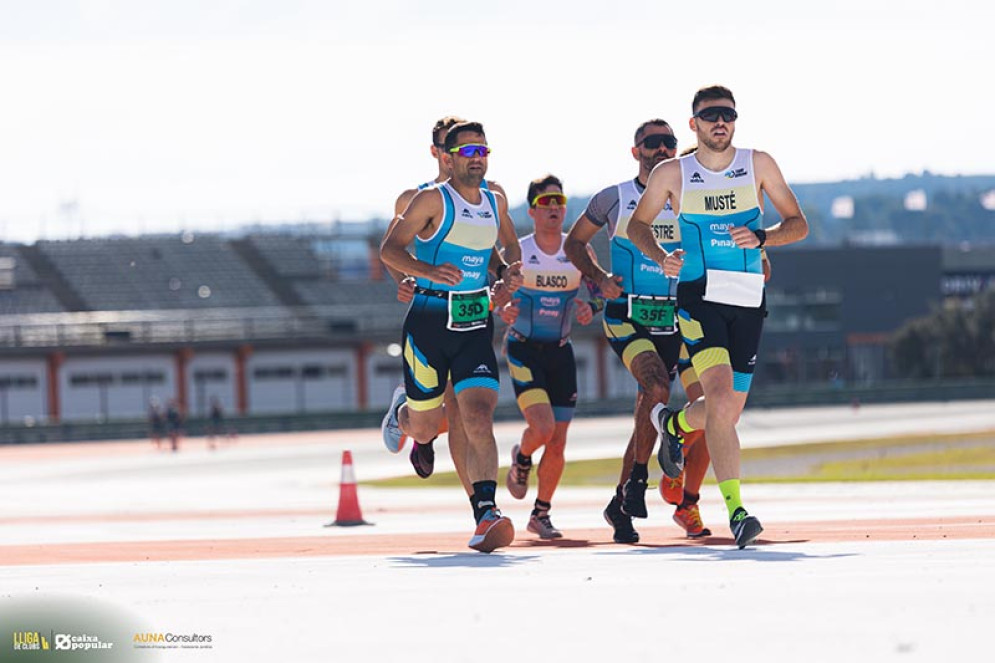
(639, 313)
(448, 330)
(422, 456)
(540, 356)
(717, 193)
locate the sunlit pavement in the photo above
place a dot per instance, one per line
(232, 543)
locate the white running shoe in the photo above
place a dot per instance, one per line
(389, 427)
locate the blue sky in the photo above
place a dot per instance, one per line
(149, 116)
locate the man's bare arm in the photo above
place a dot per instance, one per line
(419, 215)
(793, 226)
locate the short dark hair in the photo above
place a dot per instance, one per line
(540, 183)
(456, 129)
(655, 122)
(711, 93)
(442, 126)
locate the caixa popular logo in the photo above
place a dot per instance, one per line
(473, 261)
(82, 642)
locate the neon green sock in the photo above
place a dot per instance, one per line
(678, 424)
(730, 491)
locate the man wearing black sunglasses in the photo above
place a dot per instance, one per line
(448, 330)
(422, 456)
(639, 311)
(717, 193)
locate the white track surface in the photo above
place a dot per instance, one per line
(793, 600)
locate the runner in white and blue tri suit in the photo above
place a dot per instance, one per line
(717, 193)
(422, 456)
(540, 355)
(639, 314)
(448, 330)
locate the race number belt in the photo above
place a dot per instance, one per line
(468, 310)
(654, 313)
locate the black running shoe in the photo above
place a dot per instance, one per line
(634, 498)
(621, 523)
(745, 528)
(671, 453)
(423, 459)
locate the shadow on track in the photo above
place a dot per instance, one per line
(471, 560)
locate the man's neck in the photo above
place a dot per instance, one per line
(713, 160)
(549, 239)
(469, 192)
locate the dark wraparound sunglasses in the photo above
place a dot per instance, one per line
(713, 113)
(471, 150)
(654, 141)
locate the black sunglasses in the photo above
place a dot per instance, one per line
(653, 141)
(713, 113)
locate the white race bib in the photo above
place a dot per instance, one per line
(734, 288)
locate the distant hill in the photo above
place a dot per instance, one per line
(953, 211)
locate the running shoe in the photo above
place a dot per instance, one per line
(620, 523)
(389, 427)
(493, 531)
(518, 475)
(672, 490)
(543, 526)
(634, 498)
(689, 518)
(671, 453)
(745, 528)
(422, 458)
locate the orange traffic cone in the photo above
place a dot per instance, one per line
(348, 513)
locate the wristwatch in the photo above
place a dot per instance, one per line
(761, 235)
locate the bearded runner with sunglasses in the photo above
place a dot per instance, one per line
(422, 456)
(540, 355)
(639, 313)
(717, 193)
(448, 330)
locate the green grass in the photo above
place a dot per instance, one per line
(925, 457)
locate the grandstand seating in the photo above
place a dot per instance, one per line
(25, 292)
(121, 274)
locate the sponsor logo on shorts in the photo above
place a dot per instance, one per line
(483, 369)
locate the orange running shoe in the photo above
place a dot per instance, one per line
(689, 518)
(493, 531)
(672, 490)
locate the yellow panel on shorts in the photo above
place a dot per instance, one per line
(637, 347)
(709, 357)
(621, 330)
(689, 328)
(422, 406)
(520, 373)
(532, 397)
(424, 375)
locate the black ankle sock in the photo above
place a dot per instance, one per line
(541, 508)
(483, 498)
(690, 499)
(524, 460)
(640, 472)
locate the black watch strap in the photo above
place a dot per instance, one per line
(761, 235)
